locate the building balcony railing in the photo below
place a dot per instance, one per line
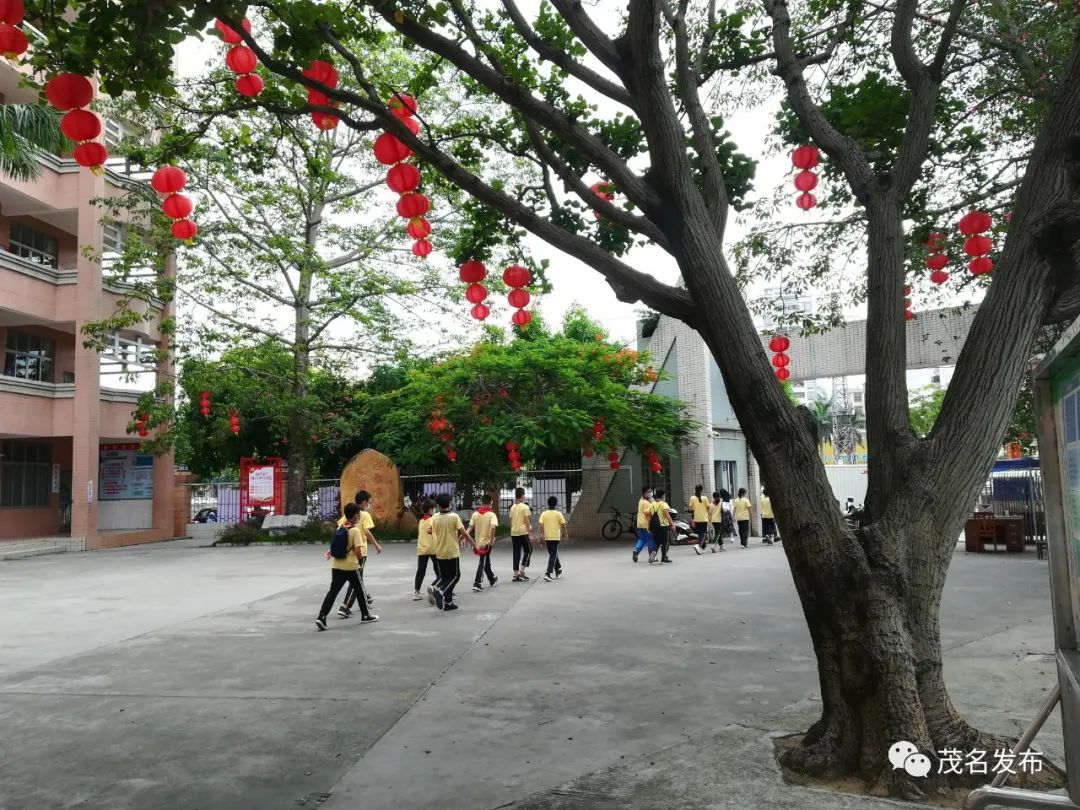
(46, 390)
(43, 272)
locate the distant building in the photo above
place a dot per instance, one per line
(786, 302)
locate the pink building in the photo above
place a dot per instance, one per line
(63, 408)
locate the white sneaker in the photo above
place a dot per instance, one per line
(416, 597)
(697, 549)
(548, 578)
(652, 556)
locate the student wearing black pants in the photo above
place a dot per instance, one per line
(425, 550)
(344, 570)
(662, 528)
(520, 529)
(449, 533)
(554, 527)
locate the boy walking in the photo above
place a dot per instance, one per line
(661, 527)
(365, 523)
(699, 512)
(768, 523)
(449, 532)
(520, 529)
(345, 569)
(716, 518)
(742, 517)
(425, 549)
(554, 526)
(644, 517)
(483, 525)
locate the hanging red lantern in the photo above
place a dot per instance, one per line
(779, 343)
(656, 468)
(451, 454)
(418, 228)
(323, 72)
(249, 85)
(937, 261)
(402, 105)
(981, 265)
(241, 59)
(402, 178)
(234, 422)
(519, 299)
(522, 318)
(782, 374)
(80, 125)
(413, 205)
(472, 271)
(67, 91)
(480, 311)
(780, 360)
(204, 403)
(13, 42)
(588, 452)
(974, 223)
(476, 293)
(516, 276)
(603, 190)
(978, 245)
(613, 455)
(939, 277)
(177, 206)
(229, 35)
(806, 181)
(12, 12)
(92, 155)
(805, 157)
(412, 125)
(806, 201)
(184, 229)
(421, 248)
(389, 150)
(168, 180)
(324, 121)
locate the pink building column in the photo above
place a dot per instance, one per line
(165, 465)
(85, 424)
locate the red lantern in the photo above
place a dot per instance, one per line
(402, 105)
(806, 181)
(603, 191)
(413, 205)
(780, 360)
(324, 121)
(13, 41)
(588, 452)
(974, 223)
(168, 180)
(421, 248)
(241, 59)
(613, 455)
(480, 312)
(655, 467)
(228, 35)
(418, 228)
(249, 85)
(939, 277)
(476, 293)
(80, 125)
(472, 271)
(522, 318)
(937, 261)
(12, 12)
(403, 177)
(981, 266)
(908, 315)
(323, 72)
(805, 157)
(184, 229)
(519, 299)
(451, 454)
(779, 343)
(412, 125)
(177, 206)
(389, 150)
(782, 374)
(516, 276)
(317, 99)
(806, 201)
(92, 155)
(67, 91)
(978, 245)
(614, 465)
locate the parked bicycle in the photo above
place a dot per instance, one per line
(619, 524)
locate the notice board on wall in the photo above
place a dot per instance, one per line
(124, 473)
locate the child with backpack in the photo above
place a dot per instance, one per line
(365, 523)
(425, 549)
(449, 533)
(716, 518)
(660, 526)
(345, 567)
(554, 526)
(483, 525)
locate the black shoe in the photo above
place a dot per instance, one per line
(491, 584)
(666, 560)
(450, 606)
(371, 617)
(320, 624)
(558, 573)
(438, 599)
(635, 556)
(477, 587)
(344, 613)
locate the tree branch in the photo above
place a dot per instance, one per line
(591, 35)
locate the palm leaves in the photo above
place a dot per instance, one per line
(823, 418)
(25, 130)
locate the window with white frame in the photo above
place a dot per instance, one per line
(25, 474)
(29, 357)
(32, 244)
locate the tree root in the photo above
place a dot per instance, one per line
(822, 754)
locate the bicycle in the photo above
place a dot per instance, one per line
(619, 524)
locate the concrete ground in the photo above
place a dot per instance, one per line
(179, 677)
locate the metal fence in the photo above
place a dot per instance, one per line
(222, 499)
(539, 485)
(1017, 493)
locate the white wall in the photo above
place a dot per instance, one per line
(848, 481)
(113, 515)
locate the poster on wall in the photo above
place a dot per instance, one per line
(261, 486)
(124, 473)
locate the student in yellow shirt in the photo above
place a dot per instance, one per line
(346, 569)
(520, 529)
(554, 526)
(661, 527)
(644, 517)
(425, 549)
(365, 523)
(699, 517)
(483, 525)
(742, 517)
(768, 522)
(449, 533)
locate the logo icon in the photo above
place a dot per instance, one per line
(905, 755)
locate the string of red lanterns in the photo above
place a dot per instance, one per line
(938, 259)
(513, 455)
(654, 461)
(908, 314)
(69, 93)
(805, 158)
(240, 59)
(472, 273)
(974, 225)
(204, 403)
(613, 459)
(778, 345)
(234, 422)
(325, 73)
(404, 178)
(517, 278)
(13, 42)
(605, 191)
(170, 181)
(140, 424)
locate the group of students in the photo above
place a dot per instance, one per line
(440, 537)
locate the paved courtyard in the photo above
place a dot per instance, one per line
(180, 677)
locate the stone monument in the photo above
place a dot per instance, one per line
(371, 470)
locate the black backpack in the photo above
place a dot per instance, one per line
(339, 543)
(654, 521)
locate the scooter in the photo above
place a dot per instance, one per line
(681, 533)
